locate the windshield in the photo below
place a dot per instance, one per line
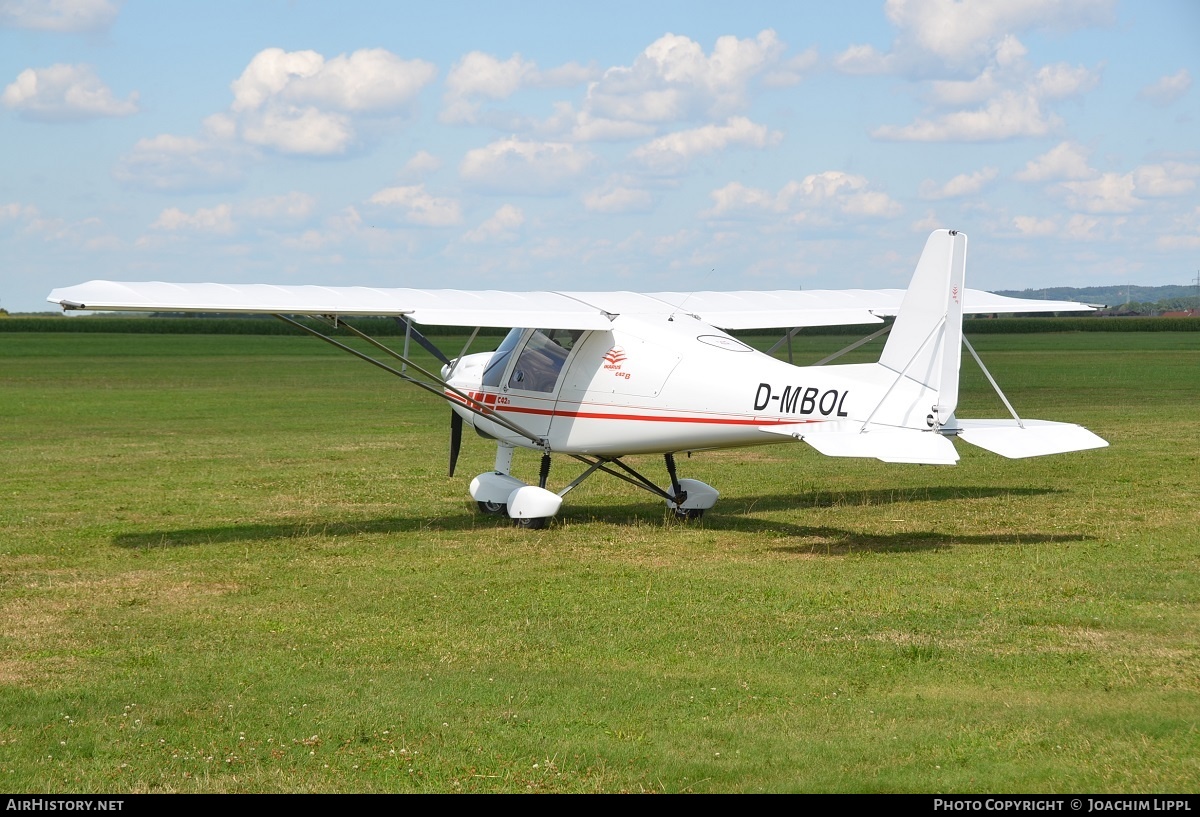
(495, 367)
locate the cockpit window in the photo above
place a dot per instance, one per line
(495, 367)
(542, 359)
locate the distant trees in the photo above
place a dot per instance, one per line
(1153, 307)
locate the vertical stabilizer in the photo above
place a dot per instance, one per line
(925, 344)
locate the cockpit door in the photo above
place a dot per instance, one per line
(531, 381)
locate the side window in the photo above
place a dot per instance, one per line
(542, 359)
(495, 367)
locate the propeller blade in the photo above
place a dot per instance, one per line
(456, 424)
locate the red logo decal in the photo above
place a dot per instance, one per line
(614, 357)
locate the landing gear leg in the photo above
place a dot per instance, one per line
(678, 495)
(500, 484)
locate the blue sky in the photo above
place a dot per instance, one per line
(643, 146)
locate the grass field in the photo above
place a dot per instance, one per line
(236, 564)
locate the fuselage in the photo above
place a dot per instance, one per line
(664, 384)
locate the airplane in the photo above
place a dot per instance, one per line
(601, 376)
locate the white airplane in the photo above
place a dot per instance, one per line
(597, 376)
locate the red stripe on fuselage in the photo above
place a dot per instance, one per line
(649, 418)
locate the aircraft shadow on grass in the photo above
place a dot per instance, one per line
(818, 539)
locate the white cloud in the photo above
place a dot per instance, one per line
(502, 226)
(336, 230)
(300, 103)
(927, 223)
(791, 71)
(1060, 81)
(1165, 180)
(864, 60)
(811, 199)
(671, 153)
(965, 184)
(1077, 227)
(370, 80)
(301, 131)
(480, 75)
(419, 207)
(1109, 193)
(289, 207)
(420, 165)
(295, 103)
(1034, 226)
(523, 167)
(1065, 161)
(29, 221)
(1010, 103)
(1006, 116)
(966, 92)
(269, 73)
(1168, 89)
(618, 199)
(1090, 191)
(1184, 232)
(181, 163)
(1081, 228)
(673, 79)
(218, 220)
(584, 127)
(1125, 192)
(62, 93)
(948, 38)
(58, 15)
(15, 211)
(736, 198)
(962, 34)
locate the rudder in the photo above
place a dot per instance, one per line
(925, 343)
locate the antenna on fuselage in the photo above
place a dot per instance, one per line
(686, 299)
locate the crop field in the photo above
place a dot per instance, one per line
(236, 564)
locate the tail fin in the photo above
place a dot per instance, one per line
(925, 344)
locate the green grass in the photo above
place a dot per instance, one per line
(235, 564)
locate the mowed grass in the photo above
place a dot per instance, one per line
(236, 564)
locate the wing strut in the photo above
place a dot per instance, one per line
(442, 389)
(992, 380)
(426, 343)
(854, 345)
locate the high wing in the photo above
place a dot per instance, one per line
(494, 308)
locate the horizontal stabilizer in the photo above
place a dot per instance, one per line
(902, 445)
(1032, 438)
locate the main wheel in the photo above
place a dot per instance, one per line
(532, 522)
(492, 508)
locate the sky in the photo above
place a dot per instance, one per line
(642, 146)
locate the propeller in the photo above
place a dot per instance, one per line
(456, 424)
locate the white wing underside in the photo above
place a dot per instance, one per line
(494, 308)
